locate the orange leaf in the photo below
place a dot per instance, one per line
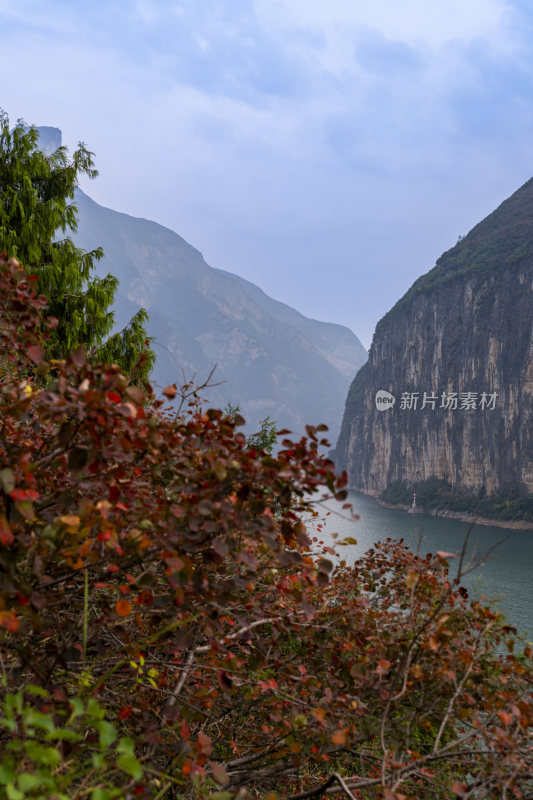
(170, 391)
(71, 520)
(123, 608)
(505, 717)
(338, 737)
(412, 578)
(459, 789)
(9, 621)
(416, 671)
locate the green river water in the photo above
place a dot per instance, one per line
(506, 576)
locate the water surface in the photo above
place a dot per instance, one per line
(506, 576)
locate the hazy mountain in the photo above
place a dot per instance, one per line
(464, 327)
(49, 138)
(270, 359)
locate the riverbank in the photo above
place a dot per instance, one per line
(461, 516)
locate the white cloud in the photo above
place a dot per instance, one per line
(427, 26)
(415, 22)
(264, 179)
(37, 16)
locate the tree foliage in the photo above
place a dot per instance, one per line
(163, 634)
(37, 214)
(436, 494)
(266, 437)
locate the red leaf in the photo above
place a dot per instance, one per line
(36, 353)
(24, 494)
(113, 397)
(78, 357)
(145, 598)
(224, 681)
(124, 712)
(204, 744)
(114, 494)
(6, 537)
(174, 563)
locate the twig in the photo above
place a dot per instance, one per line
(207, 647)
(172, 700)
(322, 789)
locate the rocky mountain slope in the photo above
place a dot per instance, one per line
(454, 360)
(270, 360)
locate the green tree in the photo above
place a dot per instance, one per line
(37, 214)
(265, 438)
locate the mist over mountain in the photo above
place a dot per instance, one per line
(269, 358)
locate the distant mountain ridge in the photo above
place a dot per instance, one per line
(270, 359)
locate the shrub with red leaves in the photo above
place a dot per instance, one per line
(152, 561)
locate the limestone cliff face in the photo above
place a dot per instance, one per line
(466, 326)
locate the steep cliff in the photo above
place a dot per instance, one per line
(454, 359)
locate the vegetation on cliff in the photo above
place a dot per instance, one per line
(502, 240)
(436, 494)
(165, 633)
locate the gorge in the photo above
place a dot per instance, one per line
(445, 402)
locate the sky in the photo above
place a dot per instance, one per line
(327, 150)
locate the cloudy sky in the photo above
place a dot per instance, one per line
(328, 150)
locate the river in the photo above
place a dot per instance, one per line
(506, 576)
